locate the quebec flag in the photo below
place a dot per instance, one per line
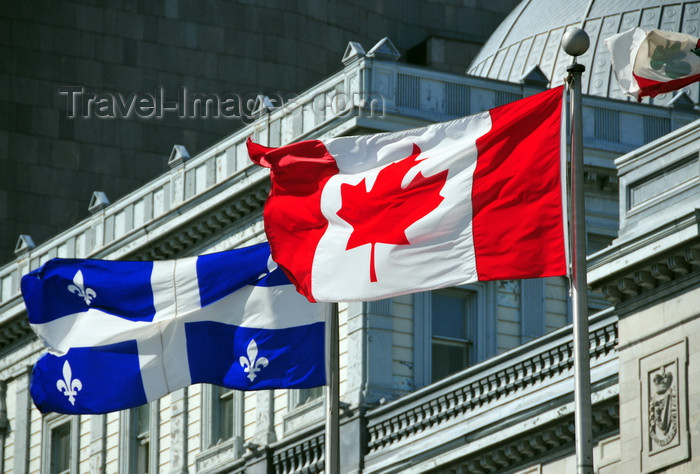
(123, 333)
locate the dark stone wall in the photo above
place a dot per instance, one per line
(51, 163)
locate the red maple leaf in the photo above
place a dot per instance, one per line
(382, 214)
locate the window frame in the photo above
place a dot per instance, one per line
(483, 329)
(300, 414)
(52, 422)
(212, 413)
(464, 341)
(131, 439)
(214, 450)
(221, 397)
(302, 396)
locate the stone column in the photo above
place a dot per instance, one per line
(178, 431)
(22, 420)
(98, 439)
(265, 418)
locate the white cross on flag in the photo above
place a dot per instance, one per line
(123, 333)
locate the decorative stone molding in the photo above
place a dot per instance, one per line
(664, 434)
(535, 78)
(384, 49)
(178, 156)
(559, 436)
(305, 453)
(353, 51)
(218, 458)
(657, 253)
(663, 406)
(25, 243)
(303, 456)
(682, 101)
(304, 416)
(463, 398)
(262, 105)
(208, 225)
(17, 329)
(98, 201)
(644, 278)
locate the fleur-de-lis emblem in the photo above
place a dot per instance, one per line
(69, 386)
(253, 364)
(87, 294)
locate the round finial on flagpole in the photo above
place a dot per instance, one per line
(575, 42)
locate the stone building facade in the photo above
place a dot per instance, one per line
(399, 414)
(508, 407)
(651, 275)
(55, 56)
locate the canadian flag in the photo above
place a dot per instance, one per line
(648, 63)
(373, 216)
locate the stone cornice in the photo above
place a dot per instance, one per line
(661, 272)
(433, 417)
(634, 267)
(545, 442)
(15, 330)
(662, 146)
(204, 226)
(517, 368)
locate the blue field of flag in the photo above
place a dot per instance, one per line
(123, 333)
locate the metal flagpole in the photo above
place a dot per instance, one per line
(332, 455)
(575, 43)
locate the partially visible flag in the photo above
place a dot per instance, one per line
(122, 333)
(648, 63)
(369, 217)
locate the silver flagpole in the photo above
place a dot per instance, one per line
(575, 43)
(333, 397)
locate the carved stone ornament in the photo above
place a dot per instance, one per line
(664, 436)
(663, 408)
